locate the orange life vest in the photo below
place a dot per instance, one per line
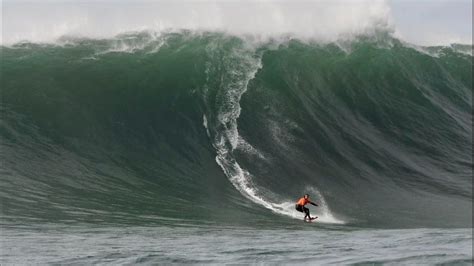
(303, 201)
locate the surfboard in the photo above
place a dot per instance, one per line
(311, 219)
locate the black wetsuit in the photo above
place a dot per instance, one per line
(302, 208)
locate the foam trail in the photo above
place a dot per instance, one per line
(239, 69)
(242, 180)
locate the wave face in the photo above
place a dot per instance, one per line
(211, 128)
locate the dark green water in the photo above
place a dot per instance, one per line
(213, 129)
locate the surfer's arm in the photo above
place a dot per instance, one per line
(314, 204)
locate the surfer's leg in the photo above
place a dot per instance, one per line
(306, 211)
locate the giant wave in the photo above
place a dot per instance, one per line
(210, 127)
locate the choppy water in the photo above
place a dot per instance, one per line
(53, 244)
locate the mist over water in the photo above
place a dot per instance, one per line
(317, 20)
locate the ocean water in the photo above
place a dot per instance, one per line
(192, 147)
(53, 244)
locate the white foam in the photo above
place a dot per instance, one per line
(151, 42)
(204, 123)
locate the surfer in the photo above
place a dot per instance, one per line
(300, 206)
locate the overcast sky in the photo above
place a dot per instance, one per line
(423, 22)
(433, 21)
